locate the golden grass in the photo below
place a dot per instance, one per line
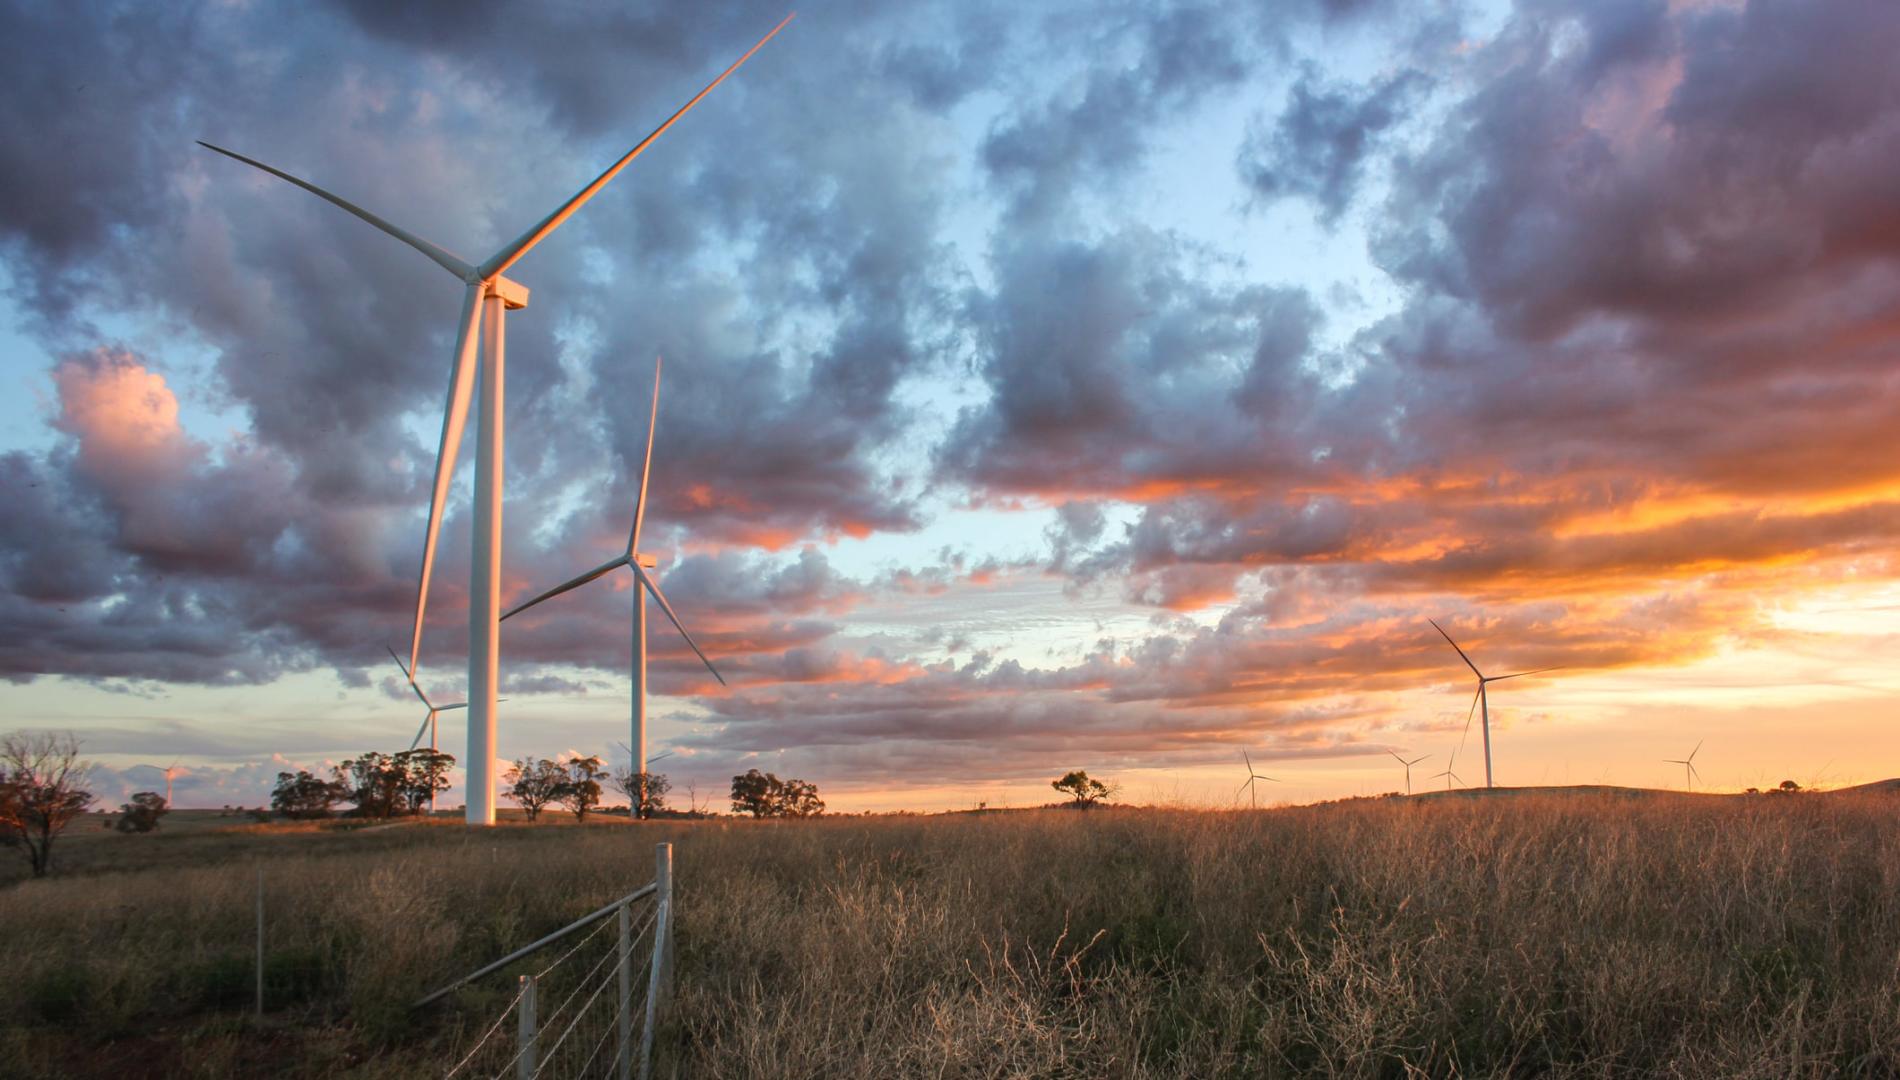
(1535, 934)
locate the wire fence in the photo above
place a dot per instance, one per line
(589, 1012)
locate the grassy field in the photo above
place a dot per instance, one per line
(1546, 934)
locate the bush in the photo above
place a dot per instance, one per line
(142, 813)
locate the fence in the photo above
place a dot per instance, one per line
(572, 1039)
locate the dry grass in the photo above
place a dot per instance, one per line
(1572, 935)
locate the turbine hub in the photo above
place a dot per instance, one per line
(647, 562)
(513, 294)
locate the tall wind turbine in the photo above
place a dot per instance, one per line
(1408, 768)
(1689, 773)
(429, 720)
(1251, 777)
(639, 562)
(1483, 698)
(489, 295)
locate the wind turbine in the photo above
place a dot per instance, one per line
(1251, 777)
(639, 562)
(489, 295)
(1689, 772)
(1483, 698)
(168, 770)
(1408, 768)
(429, 720)
(1448, 774)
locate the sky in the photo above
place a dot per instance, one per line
(1052, 386)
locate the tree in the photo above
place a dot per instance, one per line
(645, 791)
(534, 783)
(425, 773)
(581, 790)
(1082, 790)
(301, 795)
(765, 795)
(375, 783)
(42, 789)
(142, 813)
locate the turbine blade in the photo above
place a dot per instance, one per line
(459, 705)
(412, 682)
(1461, 652)
(506, 257)
(454, 419)
(1397, 758)
(1245, 758)
(657, 757)
(646, 463)
(440, 257)
(654, 588)
(424, 726)
(1469, 713)
(1697, 750)
(1521, 674)
(576, 583)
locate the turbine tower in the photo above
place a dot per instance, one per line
(1408, 768)
(1482, 698)
(1251, 777)
(640, 563)
(1689, 773)
(488, 296)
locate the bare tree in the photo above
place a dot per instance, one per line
(42, 789)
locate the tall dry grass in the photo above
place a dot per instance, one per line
(1557, 935)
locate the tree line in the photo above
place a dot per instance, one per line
(44, 788)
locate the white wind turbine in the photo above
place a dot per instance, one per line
(1448, 774)
(488, 296)
(1689, 773)
(1249, 785)
(639, 562)
(1408, 768)
(1483, 698)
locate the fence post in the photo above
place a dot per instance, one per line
(623, 1021)
(524, 1032)
(662, 939)
(260, 941)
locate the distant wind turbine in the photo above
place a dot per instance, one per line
(1482, 697)
(1408, 768)
(1448, 774)
(639, 563)
(429, 720)
(489, 296)
(1249, 785)
(168, 771)
(1689, 773)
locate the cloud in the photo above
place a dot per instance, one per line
(1318, 147)
(1623, 348)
